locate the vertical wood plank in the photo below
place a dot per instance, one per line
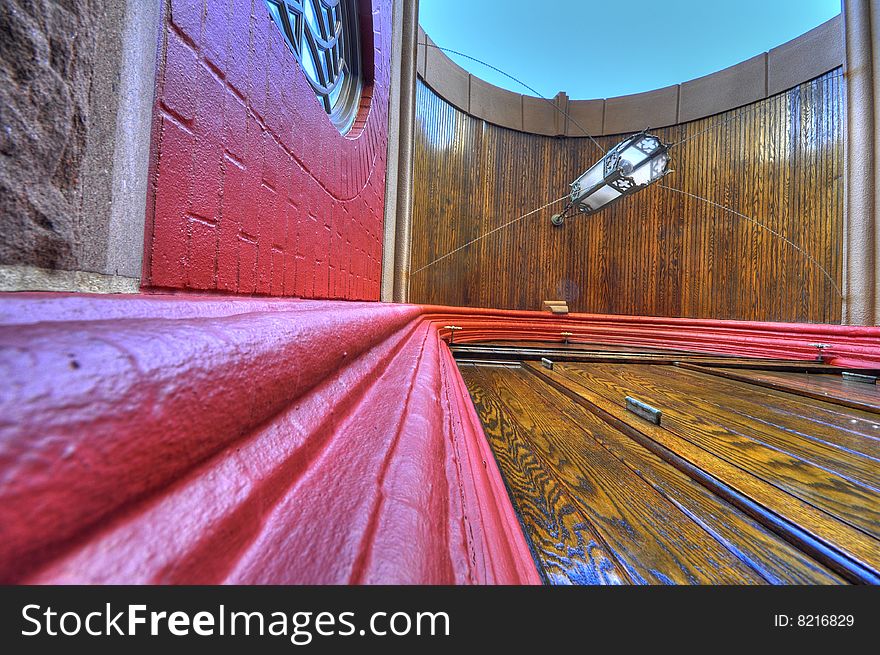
(656, 253)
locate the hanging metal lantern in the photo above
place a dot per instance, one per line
(632, 164)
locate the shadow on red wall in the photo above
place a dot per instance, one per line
(253, 190)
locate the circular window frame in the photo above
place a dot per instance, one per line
(333, 60)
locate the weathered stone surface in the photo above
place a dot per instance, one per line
(47, 56)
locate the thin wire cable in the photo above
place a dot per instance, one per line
(518, 81)
(763, 227)
(719, 123)
(746, 112)
(483, 236)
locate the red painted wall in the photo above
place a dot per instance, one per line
(253, 190)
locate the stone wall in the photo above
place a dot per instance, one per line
(74, 142)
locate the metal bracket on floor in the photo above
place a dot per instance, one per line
(546, 363)
(821, 347)
(859, 377)
(452, 329)
(643, 410)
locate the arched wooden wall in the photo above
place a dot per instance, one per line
(658, 253)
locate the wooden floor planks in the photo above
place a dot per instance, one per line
(652, 539)
(698, 413)
(840, 427)
(739, 484)
(567, 545)
(830, 388)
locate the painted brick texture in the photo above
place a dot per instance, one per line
(253, 190)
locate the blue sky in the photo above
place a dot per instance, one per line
(604, 48)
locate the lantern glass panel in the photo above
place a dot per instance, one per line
(648, 144)
(634, 163)
(642, 175)
(591, 178)
(601, 198)
(659, 166)
(633, 155)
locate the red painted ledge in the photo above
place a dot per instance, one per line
(157, 439)
(181, 439)
(858, 347)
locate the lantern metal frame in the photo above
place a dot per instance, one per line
(618, 172)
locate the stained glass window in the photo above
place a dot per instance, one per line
(324, 37)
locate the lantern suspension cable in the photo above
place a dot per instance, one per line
(638, 161)
(534, 211)
(634, 163)
(718, 123)
(490, 233)
(519, 81)
(738, 114)
(776, 234)
(629, 167)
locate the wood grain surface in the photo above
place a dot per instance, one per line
(739, 483)
(658, 253)
(649, 536)
(767, 441)
(830, 388)
(833, 518)
(589, 353)
(568, 547)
